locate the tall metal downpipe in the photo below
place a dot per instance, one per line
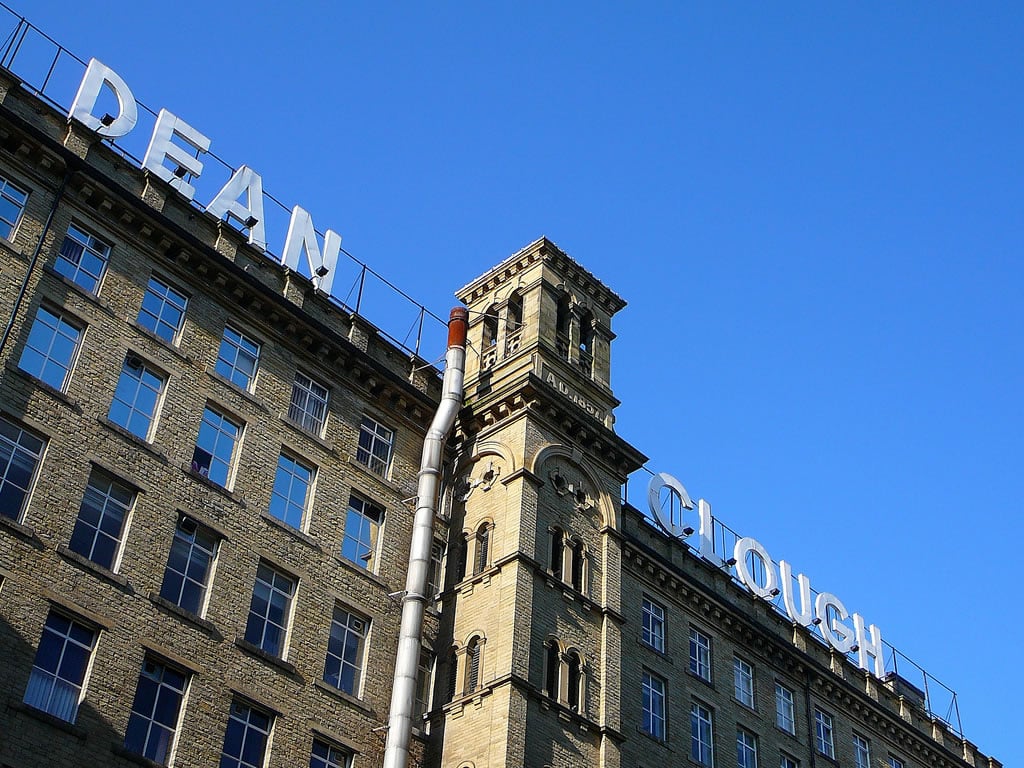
(396, 749)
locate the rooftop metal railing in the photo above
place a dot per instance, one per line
(52, 73)
(940, 701)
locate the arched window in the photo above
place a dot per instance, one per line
(453, 674)
(562, 317)
(578, 560)
(552, 664)
(462, 556)
(472, 665)
(483, 546)
(514, 320)
(587, 341)
(490, 331)
(574, 694)
(557, 551)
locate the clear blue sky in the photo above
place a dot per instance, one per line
(814, 211)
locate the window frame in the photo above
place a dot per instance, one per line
(785, 709)
(653, 697)
(166, 301)
(236, 761)
(6, 185)
(357, 508)
(652, 626)
(338, 651)
(746, 749)
(305, 402)
(700, 654)
(39, 673)
(861, 751)
(328, 760)
(18, 456)
(824, 734)
(367, 455)
(423, 696)
(743, 681)
(60, 318)
(702, 734)
(282, 501)
(186, 577)
(98, 248)
(257, 624)
(215, 456)
(788, 761)
(113, 487)
(166, 750)
(243, 345)
(133, 362)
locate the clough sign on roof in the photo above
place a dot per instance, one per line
(757, 571)
(245, 182)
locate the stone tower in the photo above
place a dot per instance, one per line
(533, 600)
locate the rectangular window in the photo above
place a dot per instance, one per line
(653, 705)
(189, 565)
(270, 610)
(292, 484)
(702, 745)
(861, 752)
(746, 749)
(246, 737)
(326, 755)
(57, 679)
(137, 397)
(155, 711)
(101, 519)
(700, 654)
(652, 630)
(12, 203)
(20, 455)
(82, 258)
(743, 682)
(375, 445)
(823, 734)
(308, 406)
(895, 762)
(345, 650)
(435, 579)
(785, 714)
(238, 358)
(162, 310)
(215, 446)
(424, 686)
(51, 348)
(785, 761)
(362, 525)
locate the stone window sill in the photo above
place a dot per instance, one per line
(135, 440)
(45, 717)
(315, 438)
(340, 694)
(295, 533)
(22, 531)
(202, 480)
(660, 654)
(92, 298)
(164, 343)
(53, 392)
(193, 618)
(259, 653)
(106, 574)
(120, 751)
(245, 393)
(364, 572)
